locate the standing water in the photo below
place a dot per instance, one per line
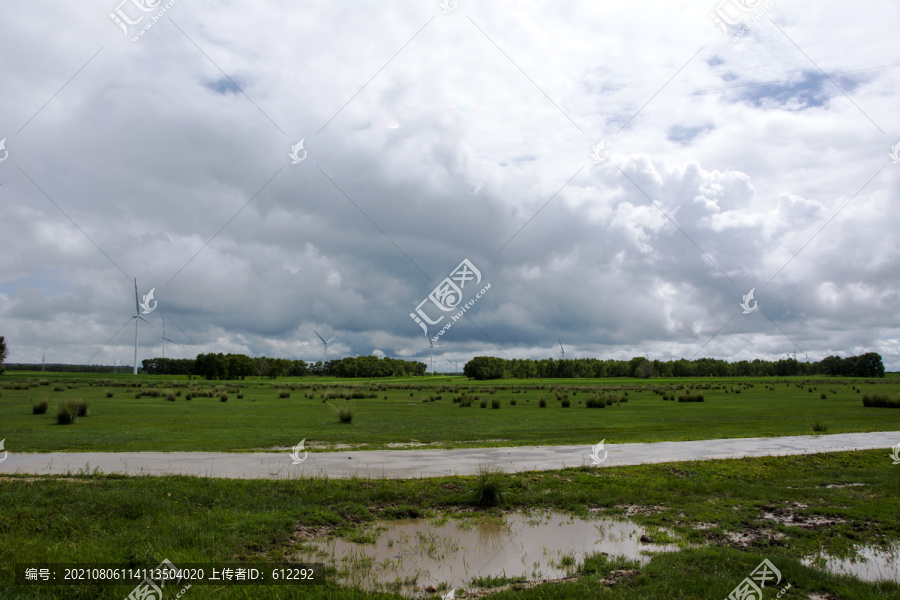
(422, 552)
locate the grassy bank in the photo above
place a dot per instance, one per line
(722, 509)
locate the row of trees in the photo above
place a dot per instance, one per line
(490, 367)
(240, 366)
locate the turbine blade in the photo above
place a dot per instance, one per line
(331, 339)
(320, 337)
(137, 305)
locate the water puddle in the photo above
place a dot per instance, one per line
(869, 564)
(422, 552)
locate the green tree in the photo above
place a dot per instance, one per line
(4, 352)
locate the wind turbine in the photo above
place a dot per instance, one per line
(164, 338)
(138, 318)
(324, 343)
(431, 344)
(562, 350)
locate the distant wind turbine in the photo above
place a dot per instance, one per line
(147, 309)
(562, 350)
(324, 343)
(165, 339)
(432, 345)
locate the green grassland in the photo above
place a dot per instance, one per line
(717, 511)
(256, 416)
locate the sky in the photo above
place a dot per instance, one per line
(618, 177)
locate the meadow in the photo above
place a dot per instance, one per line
(725, 515)
(144, 413)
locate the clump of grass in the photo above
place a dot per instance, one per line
(488, 487)
(818, 425)
(109, 394)
(565, 403)
(823, 396)
(66, 413)
(543, 402)
(880, 401)
(598, 402)
(223, 397)
(344, 412)
(58, 388)
(483, 404)
(40, 408)
(689, 397)
(495, 403)
(512, 402)
(240, 396)
(288, 395)
(188, 396)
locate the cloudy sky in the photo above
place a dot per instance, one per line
(160, 150)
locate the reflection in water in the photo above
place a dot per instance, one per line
(869, 564)
(454, 551)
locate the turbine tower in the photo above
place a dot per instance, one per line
(138, 318)
(562, 350)
(431, 344)
(325, 344)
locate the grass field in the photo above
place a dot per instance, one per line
(726, 515)
(422, 410)
(718, 512)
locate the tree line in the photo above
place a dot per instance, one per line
(490, 367)
(240, 366)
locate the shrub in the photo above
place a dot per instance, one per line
(818, 425)
(188, 396)
(66, 413)
(512, 402)
(345, 413)
(542, 403)
(40, 408)
(483, 404)
(81, 408)
(58, 388)
(288, 395)
(170, 396)
(565, 403)
(488, 487)
(495, 403)
(109, 394)
(240, 396)
(598, 402)
(689, 397)
(823, 396)
(880, 401)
